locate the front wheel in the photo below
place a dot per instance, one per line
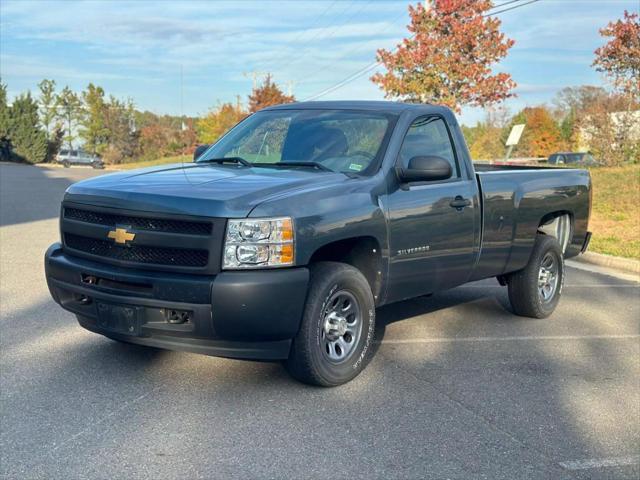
(535, 290)
(334, 342)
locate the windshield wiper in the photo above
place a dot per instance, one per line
(317, 165)
(221, 160)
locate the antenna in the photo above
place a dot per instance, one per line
(182, 125)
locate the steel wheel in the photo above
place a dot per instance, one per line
(342, 326)
(548, 277)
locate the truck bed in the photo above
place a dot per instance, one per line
(492, 167)
(512, 198)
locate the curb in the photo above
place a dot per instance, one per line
(617, 263)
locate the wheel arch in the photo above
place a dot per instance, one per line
(362, 252)
(558, 224)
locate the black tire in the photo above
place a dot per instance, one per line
(525, 294)
(66, 164)
(309, 359)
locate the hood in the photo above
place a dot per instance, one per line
(209, 190)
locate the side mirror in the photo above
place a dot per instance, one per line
(200, 149)
(426, 168)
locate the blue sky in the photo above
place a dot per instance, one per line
(137, 49)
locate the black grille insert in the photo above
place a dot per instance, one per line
(138, 253)
(142, 223)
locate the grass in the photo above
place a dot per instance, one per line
(615, 218)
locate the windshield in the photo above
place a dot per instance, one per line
(338, 140)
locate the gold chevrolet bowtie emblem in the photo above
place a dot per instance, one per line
(120, 235)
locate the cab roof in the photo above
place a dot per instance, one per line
(371, 105)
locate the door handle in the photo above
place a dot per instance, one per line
(459, 203)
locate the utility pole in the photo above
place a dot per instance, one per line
(290, 85)
(254, 74)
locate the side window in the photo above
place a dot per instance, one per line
(428, 136)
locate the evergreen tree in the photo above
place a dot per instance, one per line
(48, 106)
(69, 112)
(29, 141)
(94, 130)
(5, 142)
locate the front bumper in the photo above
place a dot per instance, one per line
(252, 314)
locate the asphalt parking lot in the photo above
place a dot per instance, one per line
(460, 388)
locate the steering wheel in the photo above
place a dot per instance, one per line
(362, 153)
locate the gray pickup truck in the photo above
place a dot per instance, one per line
(281, 240)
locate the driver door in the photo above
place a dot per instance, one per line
(431, 240)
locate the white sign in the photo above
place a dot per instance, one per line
(514, 136)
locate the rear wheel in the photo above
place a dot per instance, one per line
(334, 342)
(535, 290)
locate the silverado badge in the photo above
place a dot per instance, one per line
(121, 235)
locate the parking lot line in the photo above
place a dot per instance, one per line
(601, 462)
(510, 339)
(588, 285)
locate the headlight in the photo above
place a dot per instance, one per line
(258, 243)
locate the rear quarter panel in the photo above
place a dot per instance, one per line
(516, 202)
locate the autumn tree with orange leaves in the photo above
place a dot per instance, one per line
(619, 58)
(449, 56)
(267, 94)
(541, 136)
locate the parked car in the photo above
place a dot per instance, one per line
(581, 158)
(283, 238)
(78, 157)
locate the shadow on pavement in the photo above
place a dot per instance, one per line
(29, 193)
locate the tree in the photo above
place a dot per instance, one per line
(48, 105)
(601, 122)
(484, 141)
(579, 99)
(619, 58)
(123, 141)
(69, 112)
(28, 140)
(94, 130)
(48, 101)
(541, 136)
(218, 121)
(5, 142)
(267, 94)
(449, 56)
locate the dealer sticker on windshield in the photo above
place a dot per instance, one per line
(355, 166)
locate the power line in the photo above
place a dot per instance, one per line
(330, 34)
(278, 57)
(375, 64)
(505, 3)
(353, 49)
(514, 7)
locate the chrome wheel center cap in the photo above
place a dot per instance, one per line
(335, 325)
